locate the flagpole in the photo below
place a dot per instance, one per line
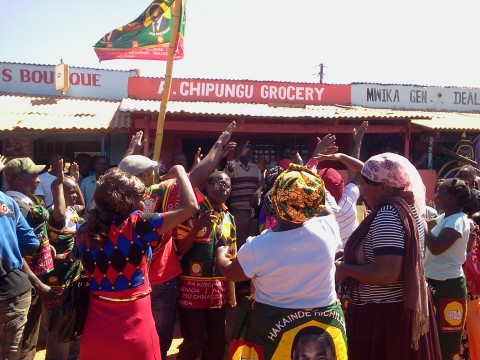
(168, 81)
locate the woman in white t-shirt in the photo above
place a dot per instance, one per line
(292, 269)
(446, 244)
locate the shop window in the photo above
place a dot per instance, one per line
(273, 150)
(69, 150)
(379, 143)
(269, 149)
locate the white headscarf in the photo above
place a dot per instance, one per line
(396, 171)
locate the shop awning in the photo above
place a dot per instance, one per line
(30, 113)
(451, 121)
(271, 111)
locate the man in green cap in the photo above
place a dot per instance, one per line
(22, 178)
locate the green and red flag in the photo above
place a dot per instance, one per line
(147, 37)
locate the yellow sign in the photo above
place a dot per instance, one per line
(453, 313)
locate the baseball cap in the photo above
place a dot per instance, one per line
(136, 164)
(21, 166)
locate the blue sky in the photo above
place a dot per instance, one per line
(422, 42)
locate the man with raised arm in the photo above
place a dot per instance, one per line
(165, 268)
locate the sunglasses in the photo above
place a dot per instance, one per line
(220, 185)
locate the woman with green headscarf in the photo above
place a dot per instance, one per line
(292, 269)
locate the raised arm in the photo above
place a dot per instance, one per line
(3, 162)
(358, 138)
(80, 202)
(188, 203)
(197, 158)
(136, 144)
(59, 207)
(326, 145)
(353, 165)
(209, 163)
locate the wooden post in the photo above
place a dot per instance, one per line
(146, 134)
(406, 142)
(177, 5)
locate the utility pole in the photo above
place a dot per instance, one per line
(320, 73)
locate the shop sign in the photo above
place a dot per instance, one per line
(416, 97)
(240, 91)
(84, 82)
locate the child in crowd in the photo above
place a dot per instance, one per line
(64, 219)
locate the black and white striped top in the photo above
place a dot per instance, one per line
(385, 237)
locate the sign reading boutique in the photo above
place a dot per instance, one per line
(416, 97)
(84, 82)
(240, 91)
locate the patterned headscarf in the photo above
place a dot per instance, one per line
(397, 172)
(298, 194)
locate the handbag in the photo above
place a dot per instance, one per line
(67, 320)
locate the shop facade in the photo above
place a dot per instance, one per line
(36, 120)
(102, 109)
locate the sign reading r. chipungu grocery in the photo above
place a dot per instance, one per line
(244, 91)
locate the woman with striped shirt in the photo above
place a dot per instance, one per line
(389, 313)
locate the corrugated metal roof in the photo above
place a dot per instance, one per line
(58, 113)
(264, 110)
(451, 121)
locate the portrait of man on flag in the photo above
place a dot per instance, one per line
(148, 36)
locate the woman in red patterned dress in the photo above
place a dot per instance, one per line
(114, 246)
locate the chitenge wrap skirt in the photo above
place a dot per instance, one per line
(379, 331)
(120, 329)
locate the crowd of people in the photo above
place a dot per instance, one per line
(320, 268)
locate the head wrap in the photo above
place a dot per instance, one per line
(397, 172)
(298, 194)
(333, 182)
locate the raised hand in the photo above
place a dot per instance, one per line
(206, 219)
(358, 134)
(244, 149)
(74, 171)
(136, 144)
(198, 157)
(224, 137)
(228, 148)
(298, 159)
(173, 173)
(325, 146)
(3, 162)
(60, 175)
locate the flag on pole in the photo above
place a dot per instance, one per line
(147, 37)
